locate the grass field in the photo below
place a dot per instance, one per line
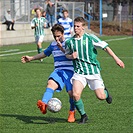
(22, 85)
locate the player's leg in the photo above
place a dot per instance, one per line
(78, 85)
(39, 41)
(102, 94)
(48, 94)
(71, 116)
(39, 47)
(67, 75)
(54, 83)
(98, 86)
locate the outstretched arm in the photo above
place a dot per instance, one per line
(25, 59)
(117, 60)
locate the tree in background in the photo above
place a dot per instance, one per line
(115, 4)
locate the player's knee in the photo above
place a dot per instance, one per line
(101, 96)
(76, 96)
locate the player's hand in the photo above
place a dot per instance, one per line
(36, 25)
(74, 55)
(25, 59)
(120, 63)
(58, 40)
(59, 44)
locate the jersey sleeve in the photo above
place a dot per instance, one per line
(71, 24)
(48, 51)
(98, 43)
(33, 22)
(67, 48)
(58, 21)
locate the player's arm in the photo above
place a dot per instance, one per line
(25, 59)
(113, 55)
(60, 47)
(33, 24)
(71, 25)
(72, 56)
(102, 44)
(69, 54)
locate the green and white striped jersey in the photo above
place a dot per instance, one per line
(86, 62)
(39, 30)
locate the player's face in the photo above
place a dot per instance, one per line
(78, 27)
(65, 14)
(38, 12)
(58, 36)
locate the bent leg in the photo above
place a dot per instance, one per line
(42, 104)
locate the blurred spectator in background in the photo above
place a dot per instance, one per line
(8, 20)
(67, 23)
(50, 10)
(44, 15)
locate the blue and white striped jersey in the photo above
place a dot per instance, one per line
(60, 60)
(68, 26)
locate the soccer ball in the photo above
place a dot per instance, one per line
(54, 105)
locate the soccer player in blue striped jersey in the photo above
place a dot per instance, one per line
(38, 23)
(82, 49)
(67, 23)
(62, 73)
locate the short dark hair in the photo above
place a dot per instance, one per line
(65, 10)
(80, 19)
(57, 27)
(37, 9)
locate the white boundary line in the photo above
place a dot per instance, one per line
(117, 39)
(10, 50)
(18, 53)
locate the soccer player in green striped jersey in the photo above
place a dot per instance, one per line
(38, 23)
(82, 49)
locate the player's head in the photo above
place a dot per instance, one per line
(79, 25)
(38, 11)
(58, 32)
(65, 13)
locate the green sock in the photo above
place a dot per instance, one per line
(39, 50)
(80, 106)
(106, 93)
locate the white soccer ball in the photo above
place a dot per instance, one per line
(54, 105)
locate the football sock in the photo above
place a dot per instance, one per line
(47, 95)
(39, 50)
(106, 93)
(72, 106)
(80, 106)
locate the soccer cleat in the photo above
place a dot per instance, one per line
(109, 98)
(71, 117)
(83, 119)
(42, 106)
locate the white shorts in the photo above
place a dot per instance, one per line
(39, 38)
(94, 81)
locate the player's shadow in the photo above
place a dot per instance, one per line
(35, 119)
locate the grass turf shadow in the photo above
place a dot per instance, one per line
(35, 119)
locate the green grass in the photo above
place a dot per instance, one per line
(21, 85)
